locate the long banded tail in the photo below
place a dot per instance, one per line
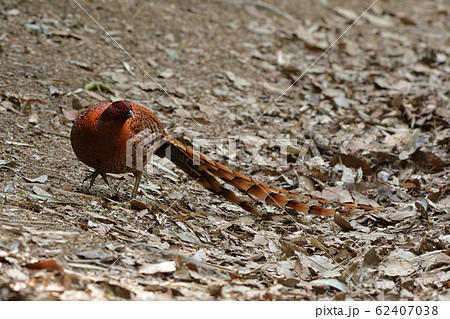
(206, 172)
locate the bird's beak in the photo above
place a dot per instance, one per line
(131, 114)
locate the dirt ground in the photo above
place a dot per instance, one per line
(376, 107)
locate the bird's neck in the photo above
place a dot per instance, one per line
(111, 122)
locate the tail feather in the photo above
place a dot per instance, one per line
(200, 167)
(182, 158)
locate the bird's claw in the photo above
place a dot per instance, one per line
(94, 175)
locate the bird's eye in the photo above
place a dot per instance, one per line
(120, 108)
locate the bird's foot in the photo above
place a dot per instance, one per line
(92, 177)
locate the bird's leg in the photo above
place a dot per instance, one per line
(138, 176)
(103, 175)
(94, 175)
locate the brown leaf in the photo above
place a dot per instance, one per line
(138, 205)
(436, 196)
(411, 184)
(407, 21)
(371, 258)
(342, 222)
(428, 161)
(290, 248)
(201, 120)
(350, 160)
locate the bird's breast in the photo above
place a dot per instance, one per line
(101, 144)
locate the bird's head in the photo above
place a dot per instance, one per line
(122, 109)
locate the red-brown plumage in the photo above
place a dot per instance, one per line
(115, 138)
(99, 136)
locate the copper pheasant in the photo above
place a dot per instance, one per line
(117, 137)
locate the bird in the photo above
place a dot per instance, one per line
(118, 137)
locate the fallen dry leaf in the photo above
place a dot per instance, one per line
(164, 267)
